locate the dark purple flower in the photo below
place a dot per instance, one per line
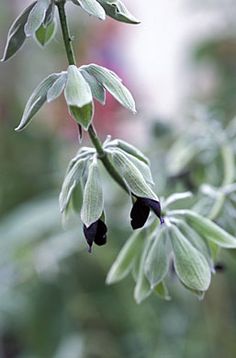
(219, 267)
(141, 210)
(96, 233)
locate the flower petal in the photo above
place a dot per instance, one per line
(139, 214)
(141, 209)
(96, 232)
(154, 205)
(101, 238)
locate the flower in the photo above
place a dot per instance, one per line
(141, 210)
(96, 232)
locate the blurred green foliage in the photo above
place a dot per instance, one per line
(53, 299)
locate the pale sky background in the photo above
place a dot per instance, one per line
(158, 50)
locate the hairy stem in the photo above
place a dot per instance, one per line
(91, 131)
(65, 32)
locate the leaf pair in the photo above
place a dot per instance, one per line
(113, 8)
(80, 85)
(36, 19)
(49, 89)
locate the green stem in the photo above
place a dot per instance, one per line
(65, 32)
(104, 158)
(91, 131)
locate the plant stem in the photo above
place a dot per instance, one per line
(105, 160)
(65, 32)
(91, 131)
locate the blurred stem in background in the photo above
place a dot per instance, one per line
(227, 155)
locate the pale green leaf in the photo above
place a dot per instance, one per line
(140, 165)
(190, 265)
(118, 11)
(208, 229)
(98, 91)
(92, 207)
(177, 197)
(142, 289)
(132, 176)
(36, 100)
(45, 33)
(162, 291)
(196, 240)
(84, 152)
(36, 17)
(92, 7)
(84, 115)
(125, 260)
(113, 84)
(128, 148)
(57, 87)
(72, 178)
(77, 197)
(49, 17)
(16, 35)
(157, 261)
(77, 91)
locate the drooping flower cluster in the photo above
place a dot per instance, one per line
(83, 172)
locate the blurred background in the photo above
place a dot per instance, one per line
(180, 64)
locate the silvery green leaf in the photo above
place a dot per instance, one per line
(92, 207)
(123, 264)
(45, 33)
(72, 178)
(16, 35)
(77, 91)
(128, 148)
(118, 11)
(196, 240)
(112, 84)
(92, 7)
(142, 289)
(84, 152)
(208, 229)
(36, 17)
(36, 100)
(140, 165)
(162, 291)
(49, 17)
(190, 265)
(84, 115)
(98, 91)
(200, 294)
(177, 197)
(157, 261)
(57, 87)
(77, 197)
(132, 176)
